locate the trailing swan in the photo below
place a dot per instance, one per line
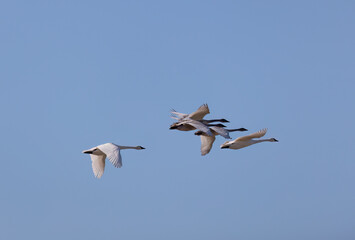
(248, 140)
(111, 151)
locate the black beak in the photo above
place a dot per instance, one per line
(142, 147)
(174, 127)
(88, 152)
(225, 147)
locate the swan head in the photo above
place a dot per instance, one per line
(225, 145)
(198, 133)
(90, 151)
(273, 140)
(87, 152)
(140, 147)
(224, 120)
(174, 126)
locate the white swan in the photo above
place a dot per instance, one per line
(111, 151)
(248, 140)
(207, 141)
(219, 130)
(189, 124)
(198, 115)
(192, 121)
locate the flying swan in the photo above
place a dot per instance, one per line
(189, 124)
(198, 115)
(111, 151)
(248, 140)
(207, 141)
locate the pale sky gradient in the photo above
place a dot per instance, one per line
(76, 74)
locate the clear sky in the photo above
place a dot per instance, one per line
(76, 74)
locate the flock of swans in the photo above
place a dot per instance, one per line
(206, 129)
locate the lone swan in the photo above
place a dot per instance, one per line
(111, 151)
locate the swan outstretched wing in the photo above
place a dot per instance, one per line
(206, 144)
(258, 134)
(113, 153)
(200, 126)
(200, 112)
(178, 116)
(221, 131)
(98, 164)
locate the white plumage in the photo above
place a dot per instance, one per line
(111, 151)
(207, 141)
(248, 140)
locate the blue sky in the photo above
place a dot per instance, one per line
(76, 74)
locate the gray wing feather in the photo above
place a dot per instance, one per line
(221, 131)
(200, 126)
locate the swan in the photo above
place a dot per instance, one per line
(248, 140)
(202, 111)
(198, 115)
(219, 130)
(207, 141)
(188, 125)
(192, 121)
(111, 151)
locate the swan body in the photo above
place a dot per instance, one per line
(207, 141)
(189, 124)
(192, 121)
(111, 151)
(248, 140)
(219, 130)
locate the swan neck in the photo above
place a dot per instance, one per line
(234, 130)
(127, 147)
(264, 140)
(213, 120)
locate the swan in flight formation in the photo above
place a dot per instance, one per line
(192, 121)
(111, 151)
(248, 140)
(188, 125)
(207, 141)
(207, 131)
(198, 115)
(185, 122)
